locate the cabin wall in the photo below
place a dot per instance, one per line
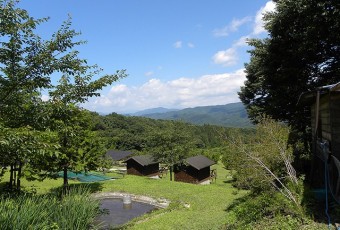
(151, 170)
(191, 175)
(204, 174)
(335, 123)
(134, 168)
(183, 176)
(324, 125)
(328, 129)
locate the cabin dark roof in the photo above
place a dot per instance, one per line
(144, 160)
(117, 155)
(199, 162)
(307, 98)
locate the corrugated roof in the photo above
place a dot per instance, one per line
(117, 155)
(199, 162)
(308, 97)
(144, 160)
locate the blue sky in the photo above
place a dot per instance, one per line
(178, 53)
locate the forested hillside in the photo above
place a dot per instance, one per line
(230, 115)
(138, 133)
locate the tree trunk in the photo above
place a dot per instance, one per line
(19, 176)
(11, 177)
(171, 170)
(65, 177)
(14, 176)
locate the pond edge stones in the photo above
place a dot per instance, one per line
(160, 202)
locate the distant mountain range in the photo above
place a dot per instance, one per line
(153, 111)
(229, 115)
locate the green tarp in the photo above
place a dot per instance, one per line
(88, 177)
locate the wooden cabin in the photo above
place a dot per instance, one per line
(325, 123)
(144, 165)
(195, 170)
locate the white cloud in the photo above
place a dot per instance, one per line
(226, 57)
(216, 89)
(232, 27)
(149, 73)
(259, 24)
(191, 45)
(242, 41)
(178, 44)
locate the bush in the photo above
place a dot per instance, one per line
(264, 161)
(263, 164)
(268, 211)
(76, 210)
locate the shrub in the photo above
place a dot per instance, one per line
(263, 162)
(76, 210)
(270, 210)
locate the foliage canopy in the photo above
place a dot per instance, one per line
(301, 52)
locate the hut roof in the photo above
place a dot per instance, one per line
(308, 97)
(117, 155)
(144, 160)
(199, 162)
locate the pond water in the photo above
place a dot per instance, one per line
(117, 213)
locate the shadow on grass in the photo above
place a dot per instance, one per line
(3, 187)
(252, 208)
(238, 201)
(315, 205)
(229, 181)
(90, 187)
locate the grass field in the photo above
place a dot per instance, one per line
(207, 203)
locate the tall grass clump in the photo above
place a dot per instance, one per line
(75, 210)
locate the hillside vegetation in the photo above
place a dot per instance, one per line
(136, 133)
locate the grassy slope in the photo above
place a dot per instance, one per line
(40, 187)
(207, 202)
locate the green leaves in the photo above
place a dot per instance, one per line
(171, 145)
(45, 135)
(264, 161)
(79, 88)
(300, 54)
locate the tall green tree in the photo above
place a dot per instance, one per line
(301, 52)
(26, 64)
(171, 145)
(73, 124)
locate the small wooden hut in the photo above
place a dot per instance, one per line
(325, 123)
(144, 165)
(195, 170)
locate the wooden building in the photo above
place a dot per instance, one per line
(144, 165)
(325, 123)
(195, 170)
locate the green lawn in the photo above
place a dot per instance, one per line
(207, 202)
(40, 187)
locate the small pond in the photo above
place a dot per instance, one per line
(117, 213)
